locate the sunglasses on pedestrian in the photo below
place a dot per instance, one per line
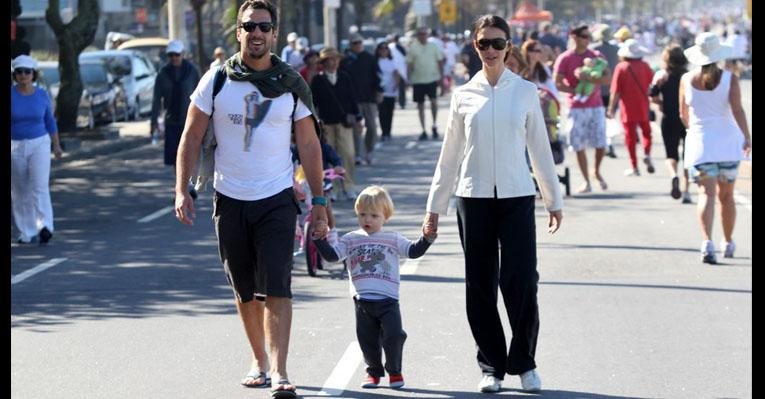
(23, 71)
(250, 26)
(584, 35)
(496, 43)
(174, 54)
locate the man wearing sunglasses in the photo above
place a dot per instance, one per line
(172, 88)
(587, 120)
(255, 209)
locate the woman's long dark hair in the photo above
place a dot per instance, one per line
(538, 73)
(674, 60)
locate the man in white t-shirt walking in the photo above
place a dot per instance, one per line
(426, 67)
(255, 208)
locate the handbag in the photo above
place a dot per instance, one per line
(651, 113)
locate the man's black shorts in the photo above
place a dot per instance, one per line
(420, 90)
(255, 243)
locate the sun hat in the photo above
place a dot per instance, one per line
(623, 33)
(24, 61)
(708, 50)
(355, 38)
(601, 32)
(174, 46)
(328, 52)
(631, 49)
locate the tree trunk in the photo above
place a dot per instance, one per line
(200, 35)
(72, 38)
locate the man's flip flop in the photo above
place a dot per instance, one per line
(257, 375)
(283, 393)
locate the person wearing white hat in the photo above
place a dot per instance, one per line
(33, 128)
(717, 138)
(290, 47)
(629, 88)
(174, 84)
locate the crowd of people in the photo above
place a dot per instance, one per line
(260, 106)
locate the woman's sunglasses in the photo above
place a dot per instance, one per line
(497, 43)
(23, 71)
(250, 26)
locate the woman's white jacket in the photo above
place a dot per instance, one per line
(487, 133)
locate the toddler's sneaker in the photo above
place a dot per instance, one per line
(489, 383)
(730, 247)
(371, 382)
(687, 198)
(396, 381)
(708, 252)
(530, 381)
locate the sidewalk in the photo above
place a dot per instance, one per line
(108, 139)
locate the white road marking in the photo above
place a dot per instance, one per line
(410, 145)
(37, 269)
(337, 382)
(159, 213)
(742, 200)
(409, 267)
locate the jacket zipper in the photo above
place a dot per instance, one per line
(494, 147)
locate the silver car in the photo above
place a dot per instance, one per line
(99, 95)
(134, 73)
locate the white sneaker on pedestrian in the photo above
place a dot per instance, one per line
(489, 383)
(351, 195)
(530, 381)
(729, 248)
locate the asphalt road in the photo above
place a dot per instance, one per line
(129, 309)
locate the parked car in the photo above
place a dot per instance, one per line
(135, 75)
(99, 95)
(152, 47)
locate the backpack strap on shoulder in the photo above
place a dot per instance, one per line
(218, 81)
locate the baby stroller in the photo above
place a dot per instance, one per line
(551, 112)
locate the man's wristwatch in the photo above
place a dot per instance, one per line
(319, 201)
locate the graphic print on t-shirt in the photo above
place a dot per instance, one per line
(255, 113)
(371, 260)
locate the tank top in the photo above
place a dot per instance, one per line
(713, 134)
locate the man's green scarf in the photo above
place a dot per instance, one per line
(273, 82)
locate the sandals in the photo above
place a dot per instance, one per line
(255, 376)
(280, 392)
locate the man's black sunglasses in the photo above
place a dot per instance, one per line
(173, 54)
(498, 44)
(23, 71)
(250, 26)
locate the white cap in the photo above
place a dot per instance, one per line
(175, 46)
(292, 37)
(24, 61)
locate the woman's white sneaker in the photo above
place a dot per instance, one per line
(489, 383)
(530, 381)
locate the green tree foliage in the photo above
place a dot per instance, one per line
(72, 38)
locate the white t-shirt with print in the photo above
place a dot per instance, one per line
(252, 159)
(372, 261)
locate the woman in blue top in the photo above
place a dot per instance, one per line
(33, 128)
